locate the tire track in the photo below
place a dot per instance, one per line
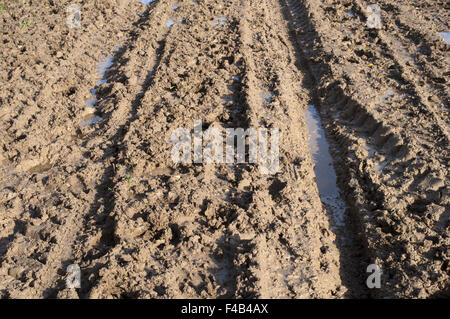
(390, 184)
(207, 230)
(119, 101)
(424, 92)
(305, 41)
(49, 202)
(163, 237)
(289, 262)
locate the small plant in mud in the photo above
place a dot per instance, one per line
(173, 88)
(26, 23)
(2, 7)
(128, 179)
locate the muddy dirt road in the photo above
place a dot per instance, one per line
(87, 175)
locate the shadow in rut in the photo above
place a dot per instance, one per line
(233, 267)
(303, 37)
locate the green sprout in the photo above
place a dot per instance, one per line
(2, 7)
(26, 23)
(128, 179)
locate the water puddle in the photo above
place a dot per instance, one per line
(380, 166)
(401, 50)
(92, 116)
(170, 23)
(325, 174)
(138, 14)
(90, 119)
(221, 21)
(267, 97)
(346, 33)
(91, 102)
(379, 160)
(445, 36)
(146, 2)
(350, 14)
(386, 97)
(102, 67)
(228, 98)
(370, 151)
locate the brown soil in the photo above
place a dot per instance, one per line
(108, 197)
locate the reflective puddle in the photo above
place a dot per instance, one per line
(325, 174)
(267, 98)
(445, 36)
(379, 161)
(92, 116)
(350, 14)
(386, 97)
(102, 68)
(170, 23)
(90, 119)
(220, 21)
(401, 50)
